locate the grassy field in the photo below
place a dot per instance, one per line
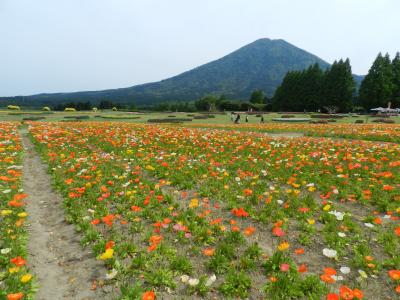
(108, 115)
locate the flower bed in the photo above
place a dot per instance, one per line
(15, 279)
(177, 211)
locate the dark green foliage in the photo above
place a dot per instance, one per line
(312, 89)
(396, 80)
(378, 86)
(339, 87)
(257, 96)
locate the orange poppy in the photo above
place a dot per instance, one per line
(149, 295)
(302, 268)
(346, 293)
(397, 231)
(209, 251)
(299, 251)
(330, 271)
(332, 296)
(249, 230)
(16, 296)
(18, 261)
(110, 244)
(357, 293)
(327, 278)
(394, 274)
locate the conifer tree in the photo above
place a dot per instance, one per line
(396, 81)
(377, 87)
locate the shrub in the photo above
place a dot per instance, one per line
(13, 107)
(69, 109)
(327, 116)
(359, 121)
(46, 108)
(382, 120)
(176, 120)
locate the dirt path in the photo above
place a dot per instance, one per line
(64, 269)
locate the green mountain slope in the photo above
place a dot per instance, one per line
(259, 65)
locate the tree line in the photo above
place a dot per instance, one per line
(315, 89)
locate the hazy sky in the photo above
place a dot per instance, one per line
(73, 45)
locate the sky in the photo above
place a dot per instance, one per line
(76, 45)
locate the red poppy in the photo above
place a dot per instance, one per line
(302, 268)
(18, 261)
(277, 231)
(332, 296)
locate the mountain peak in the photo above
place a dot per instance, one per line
(261, 64)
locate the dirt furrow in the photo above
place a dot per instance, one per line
(64, 269)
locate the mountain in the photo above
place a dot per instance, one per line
(259, 65)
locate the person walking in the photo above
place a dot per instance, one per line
(237, 120)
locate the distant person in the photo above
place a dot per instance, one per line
(237, 120)
(247, 119)
(232, 116)
(262, 119)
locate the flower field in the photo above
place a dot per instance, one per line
(15, 279)
(371, 132)
(179, 212)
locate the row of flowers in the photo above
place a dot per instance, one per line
(371, 132)
(229, 208)
(15, 280)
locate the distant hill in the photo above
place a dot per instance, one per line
(259, 65)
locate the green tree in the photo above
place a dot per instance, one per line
(338, 87)
(206, 103)
(257, 96)
(396, 80)
(300, 90)
(377, 87)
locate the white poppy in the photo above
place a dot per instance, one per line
(5, 250)
(112, 274)
(329, 252)
(345, 270)
(185, 278)
(211, 280)
(193, 281)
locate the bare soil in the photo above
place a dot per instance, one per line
(63, 268)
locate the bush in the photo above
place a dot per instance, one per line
(33, 118)
(359, 121)
(386, 121)
(319, 122)
(69, 109)
(46, 108)
(327, 116)
(13, 107)
(177, 120)
(287, 116)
